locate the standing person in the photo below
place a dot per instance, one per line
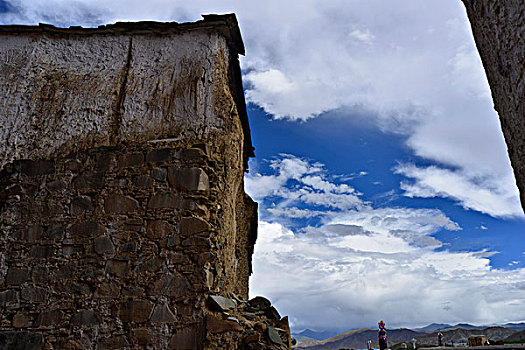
(440, 338)
(381, 335)
(369, 344)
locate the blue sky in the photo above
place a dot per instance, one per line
(384, 185)
(356, 148)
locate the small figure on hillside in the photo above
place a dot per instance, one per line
(440, 338)
(381, 335)
(369, 344)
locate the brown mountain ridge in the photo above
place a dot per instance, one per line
(357, 339)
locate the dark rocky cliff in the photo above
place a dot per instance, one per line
(499, 31)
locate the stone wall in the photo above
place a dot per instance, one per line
(122, 205)
(499, 31)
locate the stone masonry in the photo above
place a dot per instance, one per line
(123, 215)
(499, 31)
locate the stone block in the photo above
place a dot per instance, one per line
(117, 268)
(89, 181)
(175, 286)
(55, 232)
(115, 342)
(42, 251)
(142, 335)
(80, 289)
(83, 318)
(221, 303)
(40, 274)
(103, 246)
(21, 320)
(135, 311)
(17, 275)
(196, 241)
(119, 204)
(218, 325)
(64, 272)
(151, 265)
(159, 174)
(192, 154)
(128, 247)
(165, 200)
(178, 258)
(105, 161)
(209, 279)
(253, 338)
(143, 181)
(131, 160)
(272, 313)
(34, 294)
(159, 155)
(86, 229)
(31, 234)
(108, 290)
(21, 340)
(37, 167)
(8, 297)
(188, 179)
(189, 337)
(49, 318)
(159, 229)
(259, 303)
(69, 250)
(34, 233)
(192, 225)
(80, 205)
(171, 242)
(56, 185)
(274, 336)
(162, 314)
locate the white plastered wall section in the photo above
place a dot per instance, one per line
(64, 90)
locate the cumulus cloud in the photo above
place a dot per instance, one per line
(360, 257)
(348, 276)
(297, 181)
(362, 263)
(483, 195)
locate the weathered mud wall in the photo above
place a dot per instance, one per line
(499, 32)
(122, 205)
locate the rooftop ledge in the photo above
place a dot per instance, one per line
(225, 24)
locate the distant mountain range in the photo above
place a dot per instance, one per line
(515, 326)
(357, 339)
(433, 327)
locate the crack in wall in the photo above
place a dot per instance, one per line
(118, 103)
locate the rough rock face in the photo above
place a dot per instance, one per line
(499, 32)
(122, 205)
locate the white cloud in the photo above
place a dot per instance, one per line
(353, 277)
(484, 195)
(298, 181)
(363, 36)
(359, 257)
